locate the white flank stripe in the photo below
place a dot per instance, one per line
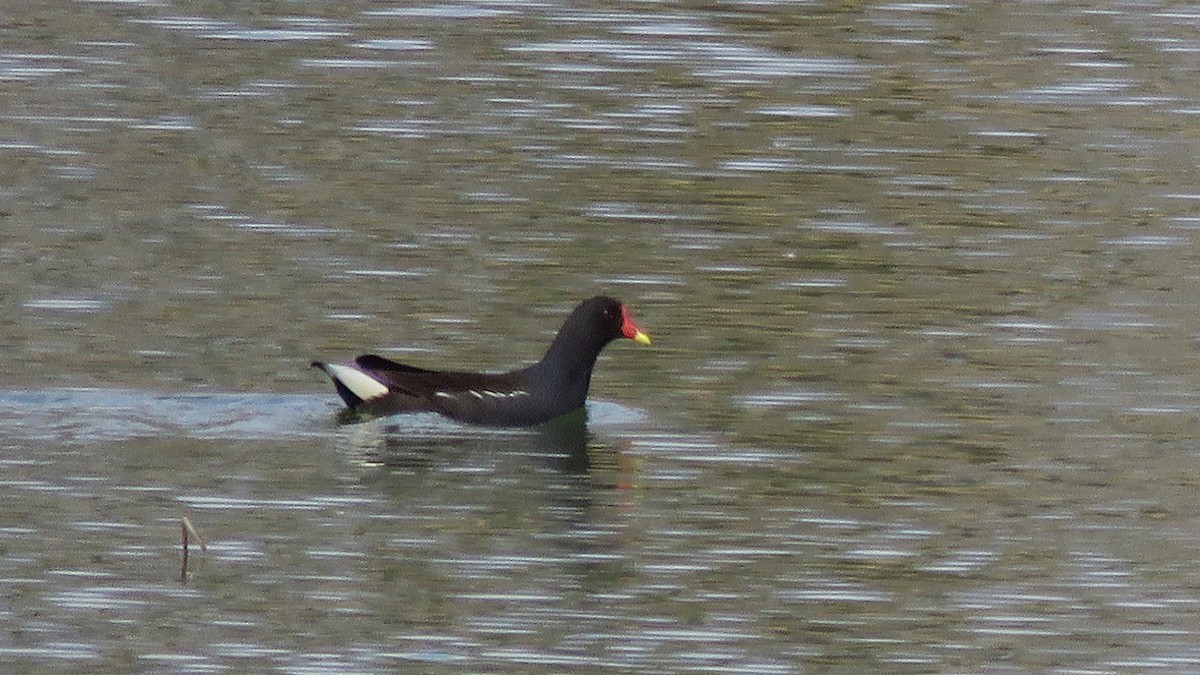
(505, 394)
(480, 394)
(363, 385)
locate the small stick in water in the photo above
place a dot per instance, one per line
(186, 528)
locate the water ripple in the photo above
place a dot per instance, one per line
(91, 415)
(303, 29)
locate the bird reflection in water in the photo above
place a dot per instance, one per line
(564, 445)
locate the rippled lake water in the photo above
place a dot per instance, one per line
(922, 394)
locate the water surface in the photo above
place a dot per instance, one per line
(920, 278)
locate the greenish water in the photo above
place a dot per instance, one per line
(920, 277)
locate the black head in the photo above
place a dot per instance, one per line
(607, 319)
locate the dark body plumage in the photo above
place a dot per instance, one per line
(558, 383)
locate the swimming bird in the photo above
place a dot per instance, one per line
(557, 384)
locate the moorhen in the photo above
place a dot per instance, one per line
(555, 385)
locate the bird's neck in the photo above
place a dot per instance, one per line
(569, 360)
